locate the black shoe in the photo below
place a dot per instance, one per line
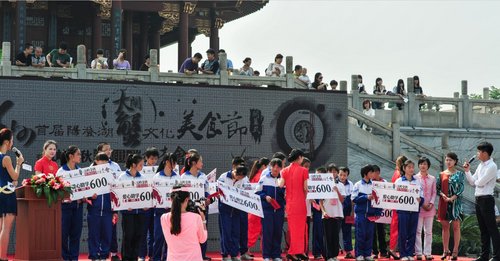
(481, 259)
(493, 259)
(302, 257)
(292, 258)
(393, 255)
(115, 258)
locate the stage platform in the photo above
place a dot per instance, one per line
(258, 257)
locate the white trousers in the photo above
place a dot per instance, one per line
(426, 224)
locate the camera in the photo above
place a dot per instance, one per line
(195, 205)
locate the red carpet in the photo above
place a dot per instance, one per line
(258, 257)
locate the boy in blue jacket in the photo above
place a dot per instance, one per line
(362, 196)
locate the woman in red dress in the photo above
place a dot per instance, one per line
(294, 178)
(393, 243)
(45, 164)
(254, 225)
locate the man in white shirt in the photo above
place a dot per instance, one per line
(484, 182)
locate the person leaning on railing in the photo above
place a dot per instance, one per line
(100, 62)
(59, 57)
(190, 65)
(378, 89)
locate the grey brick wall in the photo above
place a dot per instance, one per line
(227, 122)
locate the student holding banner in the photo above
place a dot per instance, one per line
(230, 217)
(379, 243)
(166, 172)
(347, 211)
(8, 181)
(408, 220)
(192, 170)
(72, 211)
(294, 179)
(106, 148)
(150, 159)
(393, 243)
(450, 186)
(45, 164)
(318, 247)
(100, 220)
(427, 211)
(133, 219)
(362, 196)
(273, 205)
(332, 214)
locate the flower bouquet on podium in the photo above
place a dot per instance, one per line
(50, 186)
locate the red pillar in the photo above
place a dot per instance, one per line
(183, 51)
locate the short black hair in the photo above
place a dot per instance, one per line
(424, 159)
(298, 67)
(345, 169)
(276, 161)
(211, 51)
(146, 56)
(321, 169)
(365, 170)
(27, 46)
(151, 152)
(375, 168)
(485, 146)
(222, 51)
(63, 45)
(278, 56)
(100, 51)
(332, 166)
(241, 170)
(279, 155)
(333, 82)
(198, 55)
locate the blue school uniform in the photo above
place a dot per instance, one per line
(72, 222)
(132, 225)
(230, 220)
(273, 221)
(114, 239)
(363, 209)
(202, 176)
(347, 209)
(100, 225)
(160, 245)
(407, 221)
(149, 230)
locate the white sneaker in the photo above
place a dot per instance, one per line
(267, 259)
(278, 259)
(246, 256)
(405, 258)
(360, 258)
(411, 258)
(369, 258)
(141, 259)
(226, 259)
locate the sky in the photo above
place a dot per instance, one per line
(443, 42)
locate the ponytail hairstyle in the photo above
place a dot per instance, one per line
(257, 165)
(47, 144)
(5, 134)
(65, 154)
(237, 161)
(101, 156)
(191, 160)
(295, 154)
(400, 161)
(151, 152)
(178, 197)
(133, 159)
(168, 157)
(406, 163)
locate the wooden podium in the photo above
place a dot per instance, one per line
(38, 227)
